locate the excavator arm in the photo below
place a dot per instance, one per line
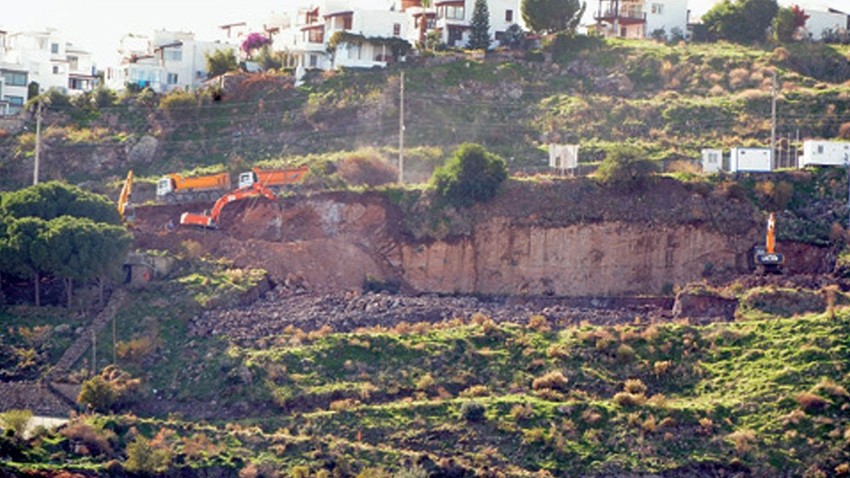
(125, 209)
(211, 220)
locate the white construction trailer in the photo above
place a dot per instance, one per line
(825, 153)
(712, 160)
(750, 160)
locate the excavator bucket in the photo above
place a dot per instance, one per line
(201, 220)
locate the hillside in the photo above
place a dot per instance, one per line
(673, 99)
(352, 327)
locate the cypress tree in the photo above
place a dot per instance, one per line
(479, 27)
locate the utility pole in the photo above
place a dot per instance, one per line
(93, 353)
(401, 133)
(796, 151)
(37, 143)
(773, 89)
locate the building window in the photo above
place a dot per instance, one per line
(14, 100)
(172, 78)
(173, 54)
(623, 32)
(12, 78)
(657, 9)
(55, 69)
(346, 23)
(316, 35)
(73, 63)
(509, 16)
(54, 48)
(314, 61)
(820, 149)
(396, 29)
(451, 12)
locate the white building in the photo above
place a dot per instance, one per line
(825, 153)
(48, 60)
(368, 36)
(641, 18)
(165, 62)
(712, 160)
(453, 18)
(825, 19)
(750, 160)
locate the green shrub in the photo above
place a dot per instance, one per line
(16, 420)
(471, 175)
(626, 166)
(472, 411)
(179, 105)
(783, 302)
(143, 457)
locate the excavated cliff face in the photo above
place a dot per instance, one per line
(524, 242)
(580, 260)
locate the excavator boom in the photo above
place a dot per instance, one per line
(211, 220)
(124, 207)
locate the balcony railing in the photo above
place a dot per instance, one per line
(631, 14)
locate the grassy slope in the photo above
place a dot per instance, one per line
(727, 394)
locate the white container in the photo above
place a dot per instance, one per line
(712, 160)
(750, 160)
(825, 153)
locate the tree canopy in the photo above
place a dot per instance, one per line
(551, 16)
(63, 231)
(54, 199)
(479, 26)
(741, 21)
(220, 62)
(471, 175)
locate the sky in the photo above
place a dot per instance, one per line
(98, 25)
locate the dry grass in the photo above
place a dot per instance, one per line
(811, 402)
(635, 386)
(554, 380)
(743, 440)
(626, 399)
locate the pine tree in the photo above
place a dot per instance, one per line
(479, 26)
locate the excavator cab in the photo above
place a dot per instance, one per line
(766, 259)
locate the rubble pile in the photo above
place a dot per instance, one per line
(349, 311)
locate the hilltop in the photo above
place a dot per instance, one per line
(672, 99)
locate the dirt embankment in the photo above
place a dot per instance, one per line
(561, 238)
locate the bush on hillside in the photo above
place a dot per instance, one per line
(626, 166)
(783, 302)
(16, 420)
(179, 105)
(366, 170)
(472, 411)
(471, 175)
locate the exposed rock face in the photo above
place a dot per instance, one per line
(334, 241)
(586, 260)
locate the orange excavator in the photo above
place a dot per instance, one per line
(767, 260)
(125, 209)
(211, 220)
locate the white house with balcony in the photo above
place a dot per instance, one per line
(453, 18)
(165, 62)
(366, 37)
(640, 18)
(44, 57)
